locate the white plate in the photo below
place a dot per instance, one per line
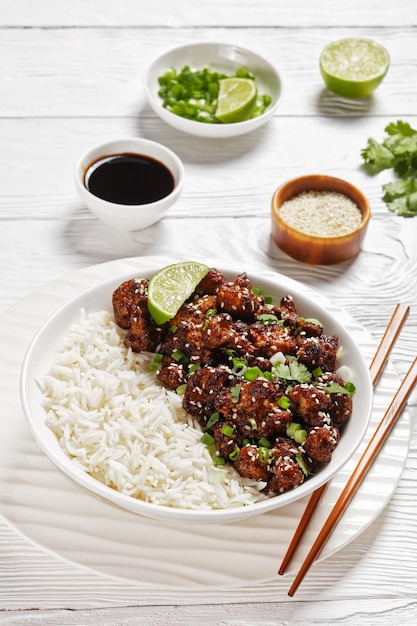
(48, 508)
(223, 57)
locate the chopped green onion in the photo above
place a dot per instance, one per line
(292, 429)
(218, 460)
(264, 442)
(300, 435)
(181, 389)
(207, 439)
(263, 455)
(302, 464)
(317, 372)
(253, 372)
(239, 366)
(180, 357)
(253, 423)
(227, 430)
(156, 361)
(213, 419)
(245, 441)
(209, 314)
(194, 368)
(350, 388)
(173, 328)
(234, 455)
(284, 402)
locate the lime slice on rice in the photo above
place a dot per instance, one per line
(236, 100)
(170, 287)
(353, 67)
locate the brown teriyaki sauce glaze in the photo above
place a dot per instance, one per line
(129, 179)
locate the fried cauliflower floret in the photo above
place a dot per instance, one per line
(187, 332)
(249, 465)
(269, 339)
(144, 334)
(171, 373)
(320, 443)
(226, 441)
(320, 352)
(311, 404)
(342, 404)
(128, 297)
(221, 334)
(131, 313)
(238, 299)
(211, 282)
(286, 474)
(202, 389)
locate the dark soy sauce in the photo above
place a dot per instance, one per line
(129, 179)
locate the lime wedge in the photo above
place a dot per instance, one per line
(169, 288)
(353, 67)
(236, 101)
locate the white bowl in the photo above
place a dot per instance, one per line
(222, 57)
(42, 352)
(130, 217)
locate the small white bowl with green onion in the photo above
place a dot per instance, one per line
(212, 89)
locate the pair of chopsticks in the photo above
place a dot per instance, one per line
(369, 455)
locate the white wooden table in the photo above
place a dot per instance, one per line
(71, 76)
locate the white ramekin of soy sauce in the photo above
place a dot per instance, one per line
(129, 184)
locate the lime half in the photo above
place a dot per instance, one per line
(353, 67)
(169, 288)
(236, 101)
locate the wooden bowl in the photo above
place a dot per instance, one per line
(313, 249)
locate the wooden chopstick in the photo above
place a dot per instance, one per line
(368, 457)
(384, 349)
(378, 362)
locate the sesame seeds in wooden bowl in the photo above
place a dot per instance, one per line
(319, 219)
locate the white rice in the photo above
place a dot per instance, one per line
(118, 423)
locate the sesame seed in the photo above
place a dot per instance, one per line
(321, 213)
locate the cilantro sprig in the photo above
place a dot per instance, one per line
(398, 151)
(293, 371)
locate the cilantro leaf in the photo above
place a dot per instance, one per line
(268, 318)
(400, 128)
(347, 390)
(235, 392)
(293, 371)
(398, 151)
(401, 197)
(313, 320)
(377, 155)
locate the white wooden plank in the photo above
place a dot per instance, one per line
(99, 72)
(187, 12)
